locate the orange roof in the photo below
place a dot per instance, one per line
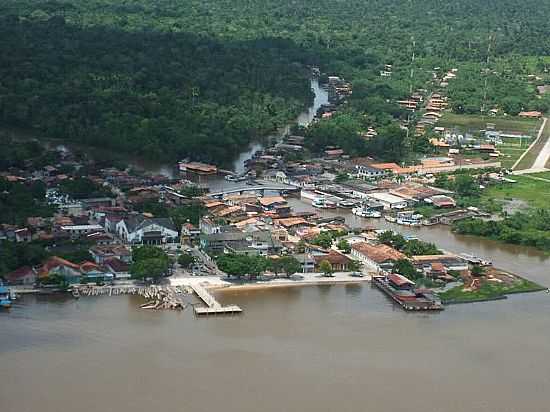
(228, 211)
(292, 221)
(385, 166)
(270, 200)
(378, 253)
(54, 262)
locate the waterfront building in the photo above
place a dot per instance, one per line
(376, 257)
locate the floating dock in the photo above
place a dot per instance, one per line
(213, 306)
(414, 303)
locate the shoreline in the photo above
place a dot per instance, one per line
(267, 285)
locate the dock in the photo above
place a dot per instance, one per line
(416, 304)
(213, 307)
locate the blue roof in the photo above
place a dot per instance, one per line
(4, 289)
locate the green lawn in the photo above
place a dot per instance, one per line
(535, 192)
(468, 122)
(488, 291)
(542, 175)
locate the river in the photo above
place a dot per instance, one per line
(305, 118)
(316, 348)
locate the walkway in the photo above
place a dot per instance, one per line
(214, 307)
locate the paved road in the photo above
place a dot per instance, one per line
(542, 158)
(544, 155)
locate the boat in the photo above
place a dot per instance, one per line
(363, 211)
(474, 260)
(409, 219)
(391, 219)
(347, 204)
(323, 203)
(5, 297)
(235, 178)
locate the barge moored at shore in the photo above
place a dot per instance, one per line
(403, 292)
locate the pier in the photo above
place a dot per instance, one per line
(213, 306)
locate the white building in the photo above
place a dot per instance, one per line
(388, 200)
(140, 229)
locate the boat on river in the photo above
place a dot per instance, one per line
(409, 218)
(323, 203)
(5, 297)
(365, 211)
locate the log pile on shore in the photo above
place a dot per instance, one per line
(158, 297)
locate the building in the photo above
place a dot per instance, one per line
(439, 265)
(102, 253)
(78, 231)
(338, 261)
(55, 265)
(138, 229)
(25, 275)
(369, 172)
(376, 257)
(442, 201)
(388, 200)
(530, 115)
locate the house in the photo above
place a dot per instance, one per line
(93, 272)
(102, 253)
(22, 235)
(260, 242)
(119, 269)
(271, 202)
(137, 229)
(307, 261)
(388, 200)
(25, 275)
(78, 231)
(101, 238)
(400, 282)
(60, 267)
(189, 233)
(439, 264)
(530, 115)
(442, 201)
(218, 242)
(293, 223)
(376, 257)
(369, 172)
(338, 261)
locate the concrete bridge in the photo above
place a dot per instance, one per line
(260, 188)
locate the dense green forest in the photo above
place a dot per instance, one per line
(202, 78)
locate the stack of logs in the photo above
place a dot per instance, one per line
(158, 297)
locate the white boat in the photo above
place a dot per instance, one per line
(409, 219)
(347, 204)
(234, 178)
(322, 203)
(389, 218)
(363, 211)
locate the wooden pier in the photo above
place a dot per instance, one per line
(213, 307)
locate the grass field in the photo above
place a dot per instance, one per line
(511, 150)
(541, 175)
(473, 123)
(488, 291)
(536, 193)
